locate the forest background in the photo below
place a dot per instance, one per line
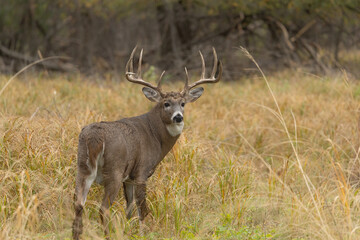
(270, 152)
(98, 35)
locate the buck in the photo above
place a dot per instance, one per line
(126, 152)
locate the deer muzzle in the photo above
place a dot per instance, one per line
(178, 118)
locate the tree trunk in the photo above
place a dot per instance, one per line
(338, 39)
(175, 31)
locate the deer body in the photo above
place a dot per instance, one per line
(132, 147)
(125, 153)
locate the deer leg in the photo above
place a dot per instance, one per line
(129, 196)
(77, 226)
(83, 184)
(140, 198)
(112, 187)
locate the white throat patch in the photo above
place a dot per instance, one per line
(175, 129)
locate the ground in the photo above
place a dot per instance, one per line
(256, 160)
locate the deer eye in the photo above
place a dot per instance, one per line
(166, 104)
(182, 104)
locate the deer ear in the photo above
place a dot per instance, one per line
(151, 94)
(194, 94)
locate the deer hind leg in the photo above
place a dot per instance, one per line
(140, 198)
(87, 172)
(83, 184)
(112, 184)
(77, 226)
(129, 196)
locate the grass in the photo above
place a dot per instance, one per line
(274, 159)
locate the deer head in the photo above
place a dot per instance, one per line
(173, 103)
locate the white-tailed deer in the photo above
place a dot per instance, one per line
(126, 152)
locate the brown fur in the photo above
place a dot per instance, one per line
(133, 149)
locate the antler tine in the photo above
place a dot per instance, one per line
(187, 79)
(202, 66)
(213, 78)
(215, 63)
(129, 65)
(136, 78)
(186, 86)
(139, 66)
(159, 83)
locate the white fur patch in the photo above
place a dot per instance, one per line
(100, 164)
(88, 182)
(175, 129)
(176, 113)
(96, 173)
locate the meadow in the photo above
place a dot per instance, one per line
(274, 158)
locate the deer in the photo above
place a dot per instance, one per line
(126, 152)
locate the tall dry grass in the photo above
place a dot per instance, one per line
(272, 158)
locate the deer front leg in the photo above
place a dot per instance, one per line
(140, 198)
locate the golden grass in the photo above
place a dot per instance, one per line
(249, 165)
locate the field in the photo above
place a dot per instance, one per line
(274, 158)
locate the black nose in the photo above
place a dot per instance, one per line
(178, 118)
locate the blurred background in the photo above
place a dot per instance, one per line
(260, 158)
(98, 35)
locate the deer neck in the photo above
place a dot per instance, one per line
(175, 129)
(165, 133)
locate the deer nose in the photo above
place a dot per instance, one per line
(178, 118)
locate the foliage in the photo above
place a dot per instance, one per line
(95, 33)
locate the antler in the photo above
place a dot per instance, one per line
(212, 79)
(136, 77)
